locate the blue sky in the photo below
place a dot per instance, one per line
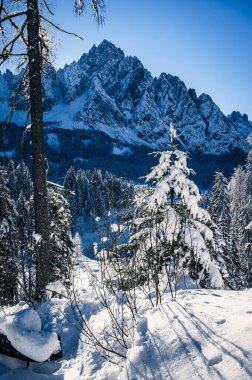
(207, 43)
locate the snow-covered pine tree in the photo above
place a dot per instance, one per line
(78, 246)
(23, 180)
(108, 191)
(237, 196)
(219, 203)
(70, 184)
(98, 203)
(60, 241)
(173, 232)
(221, 215)
(20, 186)
(205, 200)
(248, 258)
(248, 191)
(9, 244)
(25, 225)
(70, 179)
(12, 183)
(19, 180)
(83, 201)
(247, 213)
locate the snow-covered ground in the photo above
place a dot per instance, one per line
(202, 334)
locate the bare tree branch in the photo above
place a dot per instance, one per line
(14, 25)
(11, 16)
(59, 28)
(8, 49)
(48, 7)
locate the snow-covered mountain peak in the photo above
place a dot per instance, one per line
(107, 90)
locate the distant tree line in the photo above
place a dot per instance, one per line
(96, 192)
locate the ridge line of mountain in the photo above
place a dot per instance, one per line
(108, 91)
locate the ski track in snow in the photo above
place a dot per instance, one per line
(188, 338)
(202, 334)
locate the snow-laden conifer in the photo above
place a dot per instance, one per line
(219, 202)
(9, 244)
(227, 204)
(70, 184)
(247, 216)
(248, 205)
(78, 246)
(237, 196)
(61, 244)
(173, 232)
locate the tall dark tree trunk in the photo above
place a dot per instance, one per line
(38, 149)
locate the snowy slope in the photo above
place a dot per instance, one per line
(202, 334)
(111, 92)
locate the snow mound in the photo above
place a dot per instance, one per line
(23, 329)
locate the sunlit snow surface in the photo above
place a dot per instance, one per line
(202, 334)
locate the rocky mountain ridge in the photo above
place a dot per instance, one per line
(108, 91)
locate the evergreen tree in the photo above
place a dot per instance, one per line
(25, 225)
(78, 246)
(240, 236)
(247, 214)
(248, 190)
(20, 186)
(19, 180)
(12, 183)
(237, 196)
(70, 180)
(61, 244)
(219, 205)
(248, 258)
(23, 181)
(173, 232)
(9, 244)
(70, 184)
(227, 212)
(219, 199)
(83, 193)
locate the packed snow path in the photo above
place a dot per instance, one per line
(200, 335)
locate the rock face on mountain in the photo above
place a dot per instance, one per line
(108, 91)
